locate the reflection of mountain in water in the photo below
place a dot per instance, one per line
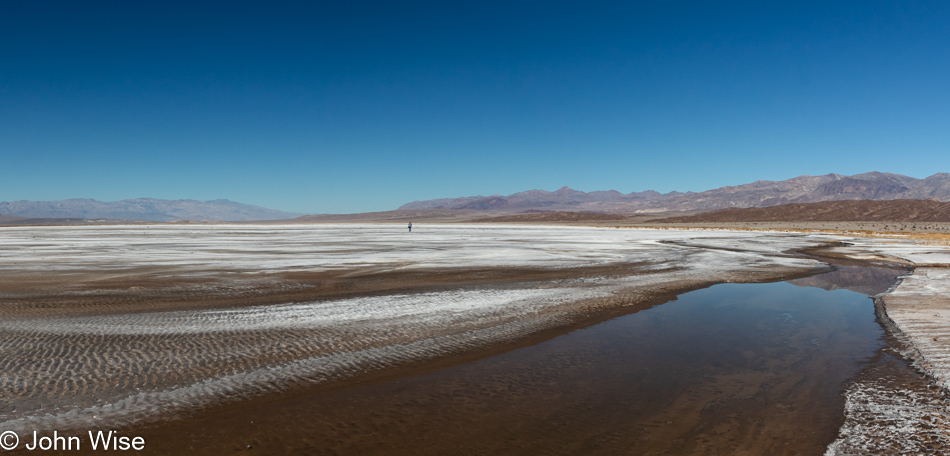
(862, 279)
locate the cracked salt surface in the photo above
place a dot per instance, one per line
(884, 418)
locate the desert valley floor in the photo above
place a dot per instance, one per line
(468, 339)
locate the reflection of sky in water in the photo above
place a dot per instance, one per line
(865, 280)
(720, 363)
(742, 325)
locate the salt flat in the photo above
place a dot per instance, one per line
(294, 247)
(112, 326)
(128, 356)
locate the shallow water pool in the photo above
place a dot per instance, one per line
(732, 369)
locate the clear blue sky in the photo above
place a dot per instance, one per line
(357, 106)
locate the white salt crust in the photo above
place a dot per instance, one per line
(882, 419)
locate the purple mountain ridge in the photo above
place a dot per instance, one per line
(803, 189)
(151, 209)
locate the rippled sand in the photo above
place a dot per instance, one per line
(119, 325)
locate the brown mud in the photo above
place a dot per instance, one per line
(482, 398)
(561, 396)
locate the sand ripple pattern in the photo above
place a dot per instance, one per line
(58, 373)
(120, 366)
(414, 309)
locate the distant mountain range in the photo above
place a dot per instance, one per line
(802, 189)
(157, 210)
(827, 211)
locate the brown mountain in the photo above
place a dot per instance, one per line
(802, 189)
(10, 218)
(401, 216)
(828, 211)
(851, 188)
(485, 204)
(554, 217)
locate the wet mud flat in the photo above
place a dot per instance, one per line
(121, 326)
(292, 341)
(731, 369)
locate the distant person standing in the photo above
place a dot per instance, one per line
(410, 227)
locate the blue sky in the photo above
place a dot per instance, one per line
(358, 106)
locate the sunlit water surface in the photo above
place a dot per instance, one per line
(731, 369)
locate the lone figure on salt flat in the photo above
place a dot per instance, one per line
(410, 227)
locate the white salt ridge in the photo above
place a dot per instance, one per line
(916, 252)
(139, 407)
(409, 313)
(422, 308)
